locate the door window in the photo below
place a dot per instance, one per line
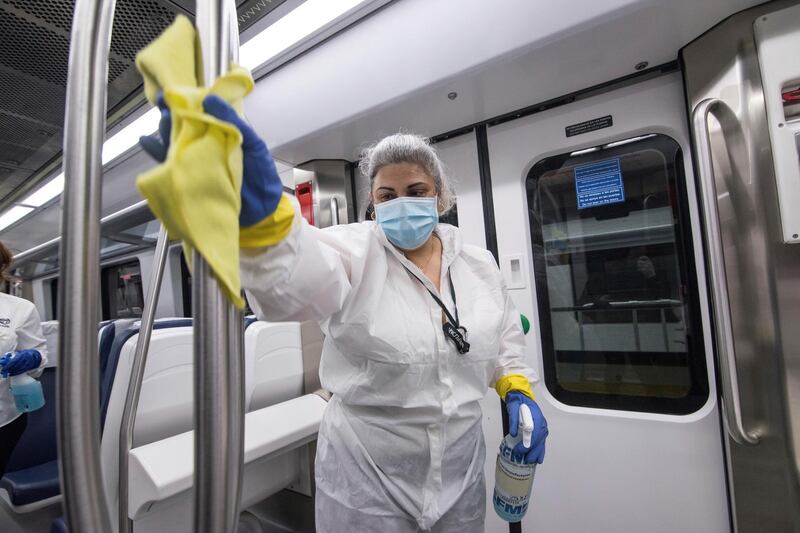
(122, 291)
(618, 307)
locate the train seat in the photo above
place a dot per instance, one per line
(161, 473)
(31, 481)
(278, 362)
(32, 488)
(166, 402)
(278, 423)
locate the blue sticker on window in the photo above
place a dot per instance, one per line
(599, 183)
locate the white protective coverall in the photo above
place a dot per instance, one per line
(401, 445)
(20, 329)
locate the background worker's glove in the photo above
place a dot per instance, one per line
(535, 452)
(261, 184)
(19, 362)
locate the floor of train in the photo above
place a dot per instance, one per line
(285, 512)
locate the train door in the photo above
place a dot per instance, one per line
(597, 230)
(742, 82)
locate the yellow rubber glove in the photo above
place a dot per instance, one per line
(514, 382)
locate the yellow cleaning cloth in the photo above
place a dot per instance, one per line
(516, 382)
(196, 191)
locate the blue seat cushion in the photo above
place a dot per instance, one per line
(59, 525)
(32, 484)
(38, 442)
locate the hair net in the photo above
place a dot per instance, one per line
(409, 148)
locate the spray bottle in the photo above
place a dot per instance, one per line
(27, 393)
(513, 478)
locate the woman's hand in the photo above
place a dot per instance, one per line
(534, 453)
(261, 185)
(19, 362)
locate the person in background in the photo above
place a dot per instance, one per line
(22, 349)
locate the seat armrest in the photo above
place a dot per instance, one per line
(165, 468)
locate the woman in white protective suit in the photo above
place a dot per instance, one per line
(417, 326)
(401, 446)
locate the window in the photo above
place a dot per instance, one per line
(122, 293)
(619, 313)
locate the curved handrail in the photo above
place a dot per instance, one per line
(78, 374)
(128, 422)
(721, 304)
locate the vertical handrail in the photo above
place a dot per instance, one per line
(218, 358)
(79, 368)
(128, 422)
(719, 282)
(334, 211)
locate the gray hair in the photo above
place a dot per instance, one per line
(409, 148)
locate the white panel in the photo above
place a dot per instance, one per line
(778, 40)
(460, 156)
(277, 362)
(514, 272)
(611, 470)
(394, 70)
(41, 296)
(50, 332)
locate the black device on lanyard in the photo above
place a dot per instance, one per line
(452, 329)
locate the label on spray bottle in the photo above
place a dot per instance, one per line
(514, 478)
(513, 483)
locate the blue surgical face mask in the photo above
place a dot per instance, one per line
(408, 221)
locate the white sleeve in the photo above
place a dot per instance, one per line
(304, 277)
(511, 357)
(30, 337)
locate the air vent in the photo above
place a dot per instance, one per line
(34, 52)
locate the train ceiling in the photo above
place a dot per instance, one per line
(34, 51)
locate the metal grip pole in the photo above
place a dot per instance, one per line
(128, 422)
(218, 358)
(79, 295)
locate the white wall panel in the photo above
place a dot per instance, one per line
(393, 70)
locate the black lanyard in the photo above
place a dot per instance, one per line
(452, 329)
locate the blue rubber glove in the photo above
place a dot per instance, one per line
(261, 185)
(157, 145)
(19, 362)
(534, 453)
